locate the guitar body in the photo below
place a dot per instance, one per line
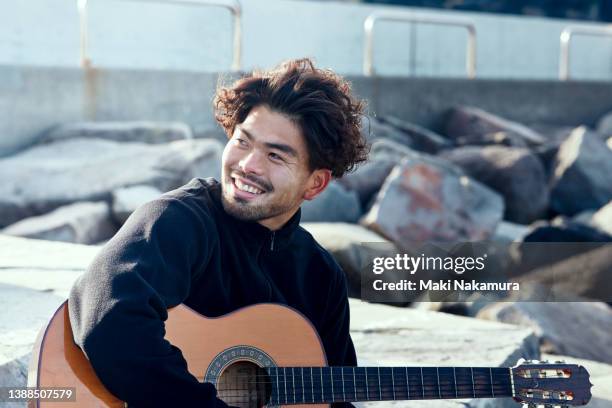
(223, 350)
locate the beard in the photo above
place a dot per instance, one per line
(248, 210)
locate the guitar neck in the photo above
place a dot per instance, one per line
(325, 385)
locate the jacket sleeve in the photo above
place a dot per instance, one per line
(336, 336)
(118, 307)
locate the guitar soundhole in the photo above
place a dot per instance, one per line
(244, 384)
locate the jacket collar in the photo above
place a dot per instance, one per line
(256, 234)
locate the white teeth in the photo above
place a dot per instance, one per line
(247, 188)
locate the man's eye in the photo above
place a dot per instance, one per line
(275, 156)
(242, 142)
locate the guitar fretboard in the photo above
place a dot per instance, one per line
(316, 385)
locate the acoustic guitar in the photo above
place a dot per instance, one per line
(270, 355)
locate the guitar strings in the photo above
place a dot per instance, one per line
(420, 390)
(420, 384)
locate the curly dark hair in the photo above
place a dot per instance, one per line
(317, 100)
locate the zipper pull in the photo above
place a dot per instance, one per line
(272, 241)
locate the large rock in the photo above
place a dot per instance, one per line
(334, 204)
(81, 223)
(420, 138)
(367, 179)
(548, 243)
(547, 152)
(126, 200)
(577, 329)
(391, 336)
(428, 199)
(48, 176)
(513, 172)
(142, 131)
(581, 175)
(36, 278)
(23, 313)
(470, 125)
(374, 128)
(353, 247)
(586, 275)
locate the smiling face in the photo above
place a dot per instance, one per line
(265, 175)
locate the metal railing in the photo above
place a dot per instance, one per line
(232, 5)
(368, 27)
(566, 36)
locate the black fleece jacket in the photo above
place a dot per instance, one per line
(184, 248)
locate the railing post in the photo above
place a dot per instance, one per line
(564, 46)
(370, 21)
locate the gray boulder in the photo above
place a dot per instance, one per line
(367, 179)
(549, 246)
(515, 173)
(429, 199)
(48, 176)
(35, 280)
(547, 152)
(548, 243)
(586, 274)
(334, 204)
(140, 131)
(374, 128)
(126, 200)
(471, 125)
(81, 223)
(581, 175)
(420, 138)
(577, 329)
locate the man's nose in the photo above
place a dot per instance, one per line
(252, 163)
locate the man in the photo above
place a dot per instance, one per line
(220, 246)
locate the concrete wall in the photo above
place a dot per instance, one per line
(128, 34)
(32, 99)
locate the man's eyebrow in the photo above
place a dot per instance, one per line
(279, 146)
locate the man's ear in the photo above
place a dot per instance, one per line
(318, 181)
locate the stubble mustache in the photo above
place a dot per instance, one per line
(261, 184)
